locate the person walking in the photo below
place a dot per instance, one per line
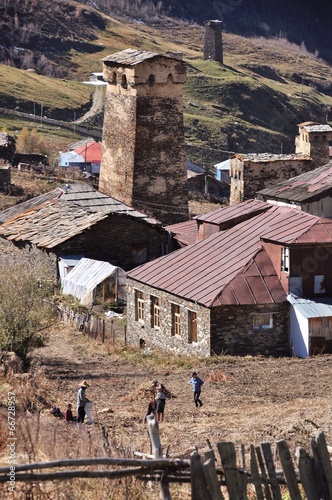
(81, 401)
(196, 384)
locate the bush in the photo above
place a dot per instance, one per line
(25, 311)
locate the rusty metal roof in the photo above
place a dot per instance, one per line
(130, 57)
(232, 266)
(302, 187)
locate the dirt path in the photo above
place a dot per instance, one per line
(246, 400)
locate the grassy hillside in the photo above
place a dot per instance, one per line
(251, 103)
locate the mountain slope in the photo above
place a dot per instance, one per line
(252, 103)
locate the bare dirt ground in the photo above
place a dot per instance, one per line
(247, 400)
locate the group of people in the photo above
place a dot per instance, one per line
(157, 404)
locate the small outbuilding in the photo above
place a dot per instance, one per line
(91, 279)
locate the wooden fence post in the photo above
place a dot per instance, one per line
(325, 460)
(255, 474)
(235, 481)
(307, 472)
(199, 489)
(288, 468)
(157, 453)
(266, 449)
(211, 477)
(321, 482)
(267, 490)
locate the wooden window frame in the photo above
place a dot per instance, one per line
(139, 305)
(155, 312)
(285, 258)
(192, 327)
(263, 325)
(176, 319)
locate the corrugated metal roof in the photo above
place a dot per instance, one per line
(130, 57)
(310, 308)
(232, 267)
(302, 187)
(85, 276)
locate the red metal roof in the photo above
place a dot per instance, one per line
(184, 232)
(91, 152)
(232, 266)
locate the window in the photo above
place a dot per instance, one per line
(175, 320)
(151, 80)
(319, 284)
(192, 327)
(124, 84)
(155, 312)
(262, 321)
(139, 306)
(285, 259)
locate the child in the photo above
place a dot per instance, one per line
(196, 384)
(160, 402)
(68, 416)
(56, 412)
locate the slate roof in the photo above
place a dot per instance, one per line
(315, 127)
(54, 217)
(130, 57)
(302, 187)
(232, 266)
(270, 157)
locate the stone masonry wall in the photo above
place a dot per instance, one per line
(232, 330)
(248, 177)
(112, 240)
(161, 337)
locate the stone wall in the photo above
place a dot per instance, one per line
(232, 330)
(138, 331)
(143, 162)
(28, 255)
(115, 239)
(248, 177)
(213, 41)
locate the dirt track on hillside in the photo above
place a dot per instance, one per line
(246, 400)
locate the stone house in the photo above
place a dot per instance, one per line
(227, 292)
(310, 192)
(250, 173)
(79, 221)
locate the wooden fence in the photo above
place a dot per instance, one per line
(309, 475)
(97, 328)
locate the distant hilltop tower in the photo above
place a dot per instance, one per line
(143, 161)
(213, 41)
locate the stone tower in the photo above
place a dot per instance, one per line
(313, 140)
(213, 41)
(143, 161)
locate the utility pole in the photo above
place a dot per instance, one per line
(41, 113)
